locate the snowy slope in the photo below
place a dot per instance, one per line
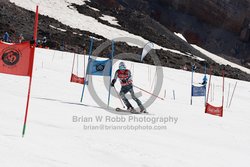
(221, 60)
(59, 10)
(214, 57)
(53, 139)
(63, 12)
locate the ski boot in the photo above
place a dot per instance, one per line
(130, 109)
(142, 109)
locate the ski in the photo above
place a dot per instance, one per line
(132, 111)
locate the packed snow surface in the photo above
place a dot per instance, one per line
(110, 19)
(189, 137)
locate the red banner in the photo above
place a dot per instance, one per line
(76, 79)
(214, 110)
(16, 59)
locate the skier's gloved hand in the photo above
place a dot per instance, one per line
(113, 82)
(124, 81)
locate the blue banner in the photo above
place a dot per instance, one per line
(99, 67)
(198, 90)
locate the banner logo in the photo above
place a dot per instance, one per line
(11, 57)
(100, 67)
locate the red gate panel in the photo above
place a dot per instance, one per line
(214, 110)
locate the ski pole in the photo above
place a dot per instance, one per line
(232, 95)
(119, 97)
(148, 92)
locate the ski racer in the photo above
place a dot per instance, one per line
(126, 82)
